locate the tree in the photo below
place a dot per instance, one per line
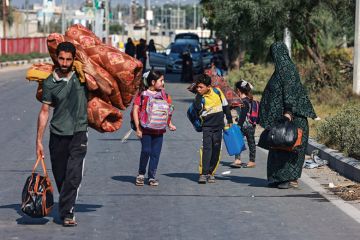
(254, 24)
(9, 13)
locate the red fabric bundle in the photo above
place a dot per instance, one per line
(102, 116)
(218, 81)
(126, 70)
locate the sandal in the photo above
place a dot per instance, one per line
(153, 182)
(236, 164)
(140, 180)
(69, 222)
(246, 165)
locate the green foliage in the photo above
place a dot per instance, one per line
(16, 57)
(257, 75)
(115, 28)
(342, 131)
(317, 26)
(338, 63)
(9, 14)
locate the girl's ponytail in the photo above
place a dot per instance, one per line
(245, 87)
(148, 77)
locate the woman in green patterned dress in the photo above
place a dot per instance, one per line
(285, 96)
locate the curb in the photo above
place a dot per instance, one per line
(346, 166)
(23, 62)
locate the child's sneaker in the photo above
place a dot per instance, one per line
(211, 179)
(140, 180)
(153, 182)
(202, 179)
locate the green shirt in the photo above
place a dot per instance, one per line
(69, 99)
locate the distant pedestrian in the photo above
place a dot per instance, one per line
(63, 91)
(247, 126)
(141, 53)
(187, 66)
(216, 67)
(211, 105)
(130, 48)
(285, 96)
(151, 46)
(151, 126)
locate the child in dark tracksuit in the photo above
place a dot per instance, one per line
(243, 89)
(211, 105)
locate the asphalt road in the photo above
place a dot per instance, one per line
(110, 206)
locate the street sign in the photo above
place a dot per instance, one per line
(149, 15)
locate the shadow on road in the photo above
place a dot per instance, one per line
(129, 179)
(186, 100)
(26, 220)
(190, 176)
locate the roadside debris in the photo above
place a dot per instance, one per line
(315, 161)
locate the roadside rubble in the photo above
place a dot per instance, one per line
(317, 169)
(315, 161)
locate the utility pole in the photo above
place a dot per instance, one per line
(146, 19)
(4, 13)
(63, 19)
(287, 40)
(107, 8)
(194, 15)
(178, 15)
(356, 72)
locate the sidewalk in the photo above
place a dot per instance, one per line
(346, 166)
(23, 62)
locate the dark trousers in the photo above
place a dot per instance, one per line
(150, 148)
(67, 155)
(249, 133)
(211, 150)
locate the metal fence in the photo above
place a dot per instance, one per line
(23, 45)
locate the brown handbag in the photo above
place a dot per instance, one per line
(37, 194)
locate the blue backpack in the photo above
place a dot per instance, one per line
(194, 118)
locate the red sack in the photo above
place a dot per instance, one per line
(126, 70)
(83, 36)
(218, 81)
(102, 116)
(233, 99)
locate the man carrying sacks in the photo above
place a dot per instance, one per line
(63, 91)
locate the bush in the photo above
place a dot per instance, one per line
(257, 75)
(16, 57)
(342, 131)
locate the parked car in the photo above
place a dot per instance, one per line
(171, 59)
(187, 37)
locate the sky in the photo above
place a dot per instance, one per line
(19, 3)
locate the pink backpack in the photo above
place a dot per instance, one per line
(156, 111)
(253, 114)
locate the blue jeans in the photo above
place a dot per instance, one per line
(150, 148)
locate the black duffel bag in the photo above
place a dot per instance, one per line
(37, 194)
(283, 136)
